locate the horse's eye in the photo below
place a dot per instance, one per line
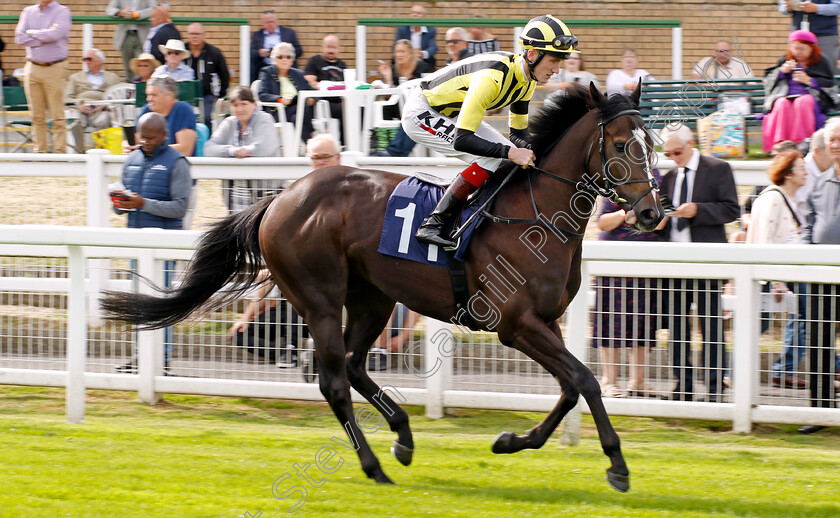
(619, 146)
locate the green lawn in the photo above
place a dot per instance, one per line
(218, 457)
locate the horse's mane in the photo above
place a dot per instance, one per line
(563, 109)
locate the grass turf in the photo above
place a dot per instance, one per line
(206, 457)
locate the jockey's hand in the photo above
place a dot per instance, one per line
(521, 156)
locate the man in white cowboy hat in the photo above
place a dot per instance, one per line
(175, 52)
(143, 66)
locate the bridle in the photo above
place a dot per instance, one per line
(587, 185)
(607, 190)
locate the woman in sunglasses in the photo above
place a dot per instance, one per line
(280, 83)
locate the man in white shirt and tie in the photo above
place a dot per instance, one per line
(702, 190)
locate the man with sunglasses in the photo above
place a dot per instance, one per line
(457, 45)
(90, 85)
(446, 113)
(702, 190)
(722, 65)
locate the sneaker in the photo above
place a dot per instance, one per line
(377, 359)
(287, 357)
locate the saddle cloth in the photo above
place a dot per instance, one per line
(411, 201)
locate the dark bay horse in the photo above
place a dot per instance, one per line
(319, 239)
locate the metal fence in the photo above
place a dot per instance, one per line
(50, 333)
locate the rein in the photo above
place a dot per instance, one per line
(586, 185)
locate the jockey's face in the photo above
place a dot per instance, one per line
(547, 67)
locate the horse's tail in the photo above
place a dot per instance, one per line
(228, 253)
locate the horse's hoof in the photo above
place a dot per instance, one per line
(381, 478)
(618, 482)
(502, 442)
(402, 453)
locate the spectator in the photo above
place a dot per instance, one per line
(143, 66)
(392, 340)
(626, 310)
(457, 46)
(161, 30)
(624, 80)
(740, 235)
(822, 227)
(210, 68)
(817, 161)
(266, 39)
(574, 71)
(250, 132)
(280, 83)
(157, 190)
(422, 38)
(481, 40)
(90, 85)
(821, 19)
(703, 190)
(455, 100)
(796, 100)
(9, 80)
(44, 29)
(775, 221)
(406, 65)
(270, 324)
(129, 37)
(722, 65)
(327, 66)
(174, 52)
(162, 98)
(323, 150)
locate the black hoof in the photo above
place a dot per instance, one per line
(402, 453)
(502, 442)
(618, 482)
(381, 478)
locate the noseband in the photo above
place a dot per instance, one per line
(608, 189)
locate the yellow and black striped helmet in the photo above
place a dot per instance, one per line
(550, 35)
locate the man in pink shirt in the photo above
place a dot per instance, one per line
(44, 29)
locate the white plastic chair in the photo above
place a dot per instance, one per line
(120, 113)
(284, 128)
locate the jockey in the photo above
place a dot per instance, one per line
(446, 112)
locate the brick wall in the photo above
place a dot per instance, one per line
(758, 26)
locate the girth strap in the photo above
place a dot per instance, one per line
(461, 291)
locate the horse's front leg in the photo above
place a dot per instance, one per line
(544, 343)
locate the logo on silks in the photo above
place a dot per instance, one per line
(411, 201)
(436, 125)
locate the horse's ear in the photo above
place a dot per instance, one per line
(595, 94)
(636, 96)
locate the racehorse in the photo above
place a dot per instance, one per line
(319, 240)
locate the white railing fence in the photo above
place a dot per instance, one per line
(455, 382)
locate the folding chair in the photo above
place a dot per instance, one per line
(14, 100)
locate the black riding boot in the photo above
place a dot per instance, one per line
(431, 230)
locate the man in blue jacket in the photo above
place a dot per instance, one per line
(157, 190)
(266, 38)
(422, 38)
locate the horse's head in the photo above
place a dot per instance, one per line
(620, 158)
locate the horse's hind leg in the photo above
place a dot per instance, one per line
(368, 310)
(574, 378)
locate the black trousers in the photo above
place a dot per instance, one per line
(822, 316)
(677, 298)
(272, 330)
